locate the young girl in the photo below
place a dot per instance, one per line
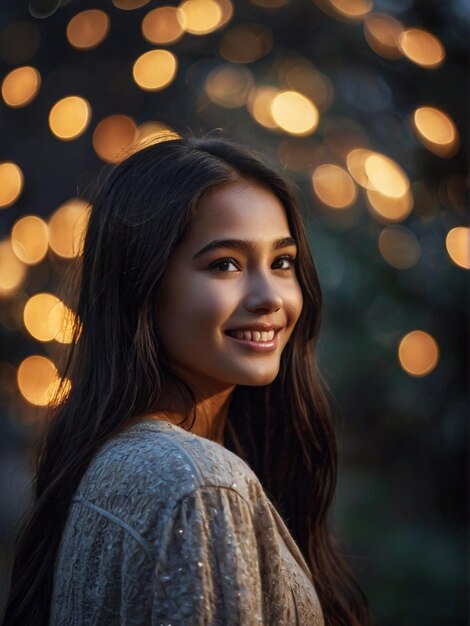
(187, 475)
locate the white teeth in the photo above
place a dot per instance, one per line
(255, 335)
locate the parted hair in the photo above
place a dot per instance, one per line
(117, 368)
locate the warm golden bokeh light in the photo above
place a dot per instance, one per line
(352, 9)
(161, 26)
(12, 271)
(294, 113)
(229, 86)
(245, 43)
(154, 70)
(38, 380)
(259, 105)
(88, 29)
(227, 9)
(302, 76)
(386, 176)
(200, 17)
(69, 117)
(418, 353)
(30, 239)
(20, 86)
(113, 137)
(458, 246)
(422, 48)
(334, 186)
(67, 228)
(382, 33)
(399, 247)
(11, 183)
(388, 209)
(356, 160)
(436, 131)
(130, 5)
(39, 317)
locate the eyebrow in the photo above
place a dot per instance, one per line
(241, 244)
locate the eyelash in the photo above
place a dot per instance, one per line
(227, 259)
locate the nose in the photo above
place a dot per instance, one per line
(263, 294)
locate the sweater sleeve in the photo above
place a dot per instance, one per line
(207, 570)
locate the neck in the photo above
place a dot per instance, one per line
(212, 406)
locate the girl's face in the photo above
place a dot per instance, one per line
(233, 271)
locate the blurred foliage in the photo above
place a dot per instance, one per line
(359, 71)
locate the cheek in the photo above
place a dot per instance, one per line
(195, 307)
(294, 303)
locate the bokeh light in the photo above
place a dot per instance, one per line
(67, 227)
(382, 33)
(295, 113)
(436, 131)
(334, 186)
(154, 70)
(21, 86)
(30, 239)
(245, 43)
(458, 246)
(399, 246)
(418, 353)
(38, 380)
(130, 5)
(229, 86)
(355, 160)
(161, 26)
(200, 17)
(298, 74)
(113, 137)
(350, 9)
(69, 117)
(88, 29)
(12, 271)
(259, 105)
(387, 208)
(36, 313)
(11, 183)
(422, 48)
(386, 176)
(46, 318)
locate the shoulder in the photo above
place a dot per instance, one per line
(165, 462)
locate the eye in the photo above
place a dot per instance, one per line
(221, 264)
(287, 258)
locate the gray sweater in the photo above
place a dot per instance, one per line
(169, 528)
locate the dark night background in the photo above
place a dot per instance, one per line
(401, 503)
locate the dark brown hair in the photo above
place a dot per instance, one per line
(117, 368)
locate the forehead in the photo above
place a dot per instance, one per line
(240, 208)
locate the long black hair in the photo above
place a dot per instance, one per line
(117, 368)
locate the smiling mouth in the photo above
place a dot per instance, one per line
(255, 335)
